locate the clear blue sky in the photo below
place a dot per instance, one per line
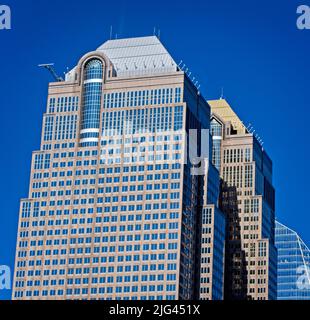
(252, 49)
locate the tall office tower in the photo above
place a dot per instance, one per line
(293, 265)
(113, 210)
(248, 201)
(211, 241)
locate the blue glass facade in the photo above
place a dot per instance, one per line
(293, 265)
(218, 255)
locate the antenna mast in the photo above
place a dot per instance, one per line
(111, 32)
(222, 93)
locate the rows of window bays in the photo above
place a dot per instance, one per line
(122, 239)
(108, 185)
(102, 171)
(63, 104)
(161, 119)
(157, 120)
(128, 293)
(120, 122)
(111, 141)
(142, 98)
(60, 127)
(95, 276)
(110, 179)
(58, 146)
(119, 99)
(120, 244)
(237, 155)
(138, 120)
(240, 176)
(43, 160)
(106, 236)
(111, 201)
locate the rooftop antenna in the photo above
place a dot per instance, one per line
(159, 34)
(67, 71)
(222, 93)
(249, 127)
(50, 68)
(154, 31)
(111, 32)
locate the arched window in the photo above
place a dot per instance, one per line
(93, 70)
(215, 128)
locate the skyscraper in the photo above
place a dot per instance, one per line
(293, 265)
(114, 210)
(248, 201)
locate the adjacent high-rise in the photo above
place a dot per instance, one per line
(293, 265)
(114, 210)
(248, 201)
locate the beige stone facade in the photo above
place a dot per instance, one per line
(111, 210)
(248, 200)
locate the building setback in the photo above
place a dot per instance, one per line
(113, 212)
(248, 201)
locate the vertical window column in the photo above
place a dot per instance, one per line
(92, 95)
